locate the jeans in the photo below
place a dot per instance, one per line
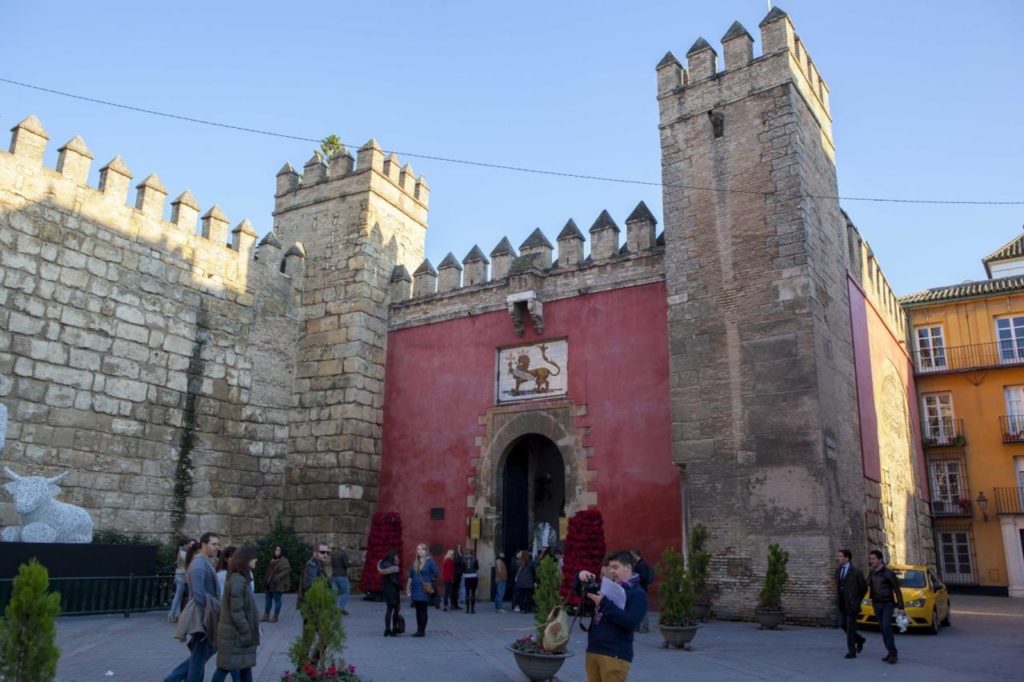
(341, 586)
(499, 594)
(179, 590)
(238, 675)
(193, 667)
(848, 622)
(884, 611)
(272, 598)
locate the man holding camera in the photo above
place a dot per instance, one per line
(610, 638)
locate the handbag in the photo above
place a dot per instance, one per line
(428, 587)
(556, 630)
(399, 627)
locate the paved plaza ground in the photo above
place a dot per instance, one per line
(986, 642)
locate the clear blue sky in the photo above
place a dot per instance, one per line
(926, 102)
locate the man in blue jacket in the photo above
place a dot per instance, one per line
(610, 639)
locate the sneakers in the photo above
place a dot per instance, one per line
(515, 609)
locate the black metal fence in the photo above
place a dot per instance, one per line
(106, 594)
(1012, 426)
(975, 356)
(943, 432)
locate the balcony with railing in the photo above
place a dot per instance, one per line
(964, 358)
(1010, 500)
(1012, 427)
(943, 432)
(948, 507)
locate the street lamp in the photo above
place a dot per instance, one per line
(982, 505)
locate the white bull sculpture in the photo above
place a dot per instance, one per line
(44, 519)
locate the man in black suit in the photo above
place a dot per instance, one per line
(850, 590)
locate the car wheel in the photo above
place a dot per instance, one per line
(933, 627)
(948, 620)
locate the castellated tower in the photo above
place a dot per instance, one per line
(358, 221)
(764, 401)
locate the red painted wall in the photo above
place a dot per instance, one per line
(440, 380)
(873, 343)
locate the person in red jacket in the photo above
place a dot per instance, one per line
(451, 594)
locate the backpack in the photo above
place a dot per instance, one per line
(556, 630)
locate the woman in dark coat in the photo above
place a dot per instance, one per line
(391, 584)
(277, 580)
(238, 630)
(525, 579)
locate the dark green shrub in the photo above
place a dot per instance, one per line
(323, 636)
(775, 578)
(295, 548)
(546, 596)
(166, 553)
(28, 632)
(699, 562)
(675, 587)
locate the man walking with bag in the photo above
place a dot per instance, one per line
(199, 618)
(850, 590)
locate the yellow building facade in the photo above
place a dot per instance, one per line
(968, 346)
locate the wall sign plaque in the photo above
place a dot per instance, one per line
(531, 372)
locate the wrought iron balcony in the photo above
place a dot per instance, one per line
(957, 507)
(1010, 500)
(943, 433)
(1012, 427)
(963, 358)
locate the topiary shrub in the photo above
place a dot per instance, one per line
(584, 550)
(316, 652)
(28, 631)
(385, 535)
(546, 596)
(675, 587)
(699, 562)
(775, 578)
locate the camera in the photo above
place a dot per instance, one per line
(589, 587)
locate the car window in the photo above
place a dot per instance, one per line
(911, 578)
(936, 583)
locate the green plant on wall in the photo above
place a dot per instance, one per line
(699, 563)
(546, 596)
(28, 631)
(676, 590)
(330, 147)
(775, 579)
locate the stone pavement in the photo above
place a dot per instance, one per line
(986, 642)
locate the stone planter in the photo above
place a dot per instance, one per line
(678, 637)
(702, 611)
(538, 667)
(770, 618)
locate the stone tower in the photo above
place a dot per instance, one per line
(355, 222)
(762, 377)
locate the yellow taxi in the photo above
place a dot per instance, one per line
(925, 597)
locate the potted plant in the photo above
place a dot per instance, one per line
(769, 612)
(28, 632)
(699, 570)
(677, 619)
(316, 652)
(534, 661)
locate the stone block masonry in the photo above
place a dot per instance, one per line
(152, 362)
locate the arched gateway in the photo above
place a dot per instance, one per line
(532, 491)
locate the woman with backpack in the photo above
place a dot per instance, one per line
(391, 585)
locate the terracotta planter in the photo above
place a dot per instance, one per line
(538, 667)
(702, 611)
(770, 618)
(678, 637)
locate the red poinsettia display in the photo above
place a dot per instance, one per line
(584, 550)
(385, 535)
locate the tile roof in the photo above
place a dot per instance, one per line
(1008, 251)
(986, 287)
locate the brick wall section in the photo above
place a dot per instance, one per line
(355, 225)
(104, 309)
(762, 371)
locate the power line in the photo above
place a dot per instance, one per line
(516, 169)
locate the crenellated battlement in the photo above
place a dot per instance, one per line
(478, 283)
(369, 169)
(700, 86)
(867, 273)
(217, 256)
